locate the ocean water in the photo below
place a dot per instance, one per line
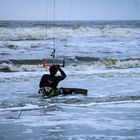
(101, 56)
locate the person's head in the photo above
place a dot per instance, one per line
(53, 70)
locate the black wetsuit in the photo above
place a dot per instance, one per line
(52, 81)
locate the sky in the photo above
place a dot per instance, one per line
(70, 10)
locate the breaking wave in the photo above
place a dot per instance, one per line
(116, 63)
(42, 33)
(13, 65)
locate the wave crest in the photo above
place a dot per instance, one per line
(117, 63)
(36, 64)
(42, 33)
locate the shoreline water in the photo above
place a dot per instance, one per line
(103, 57)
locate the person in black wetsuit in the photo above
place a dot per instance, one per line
(51, 80)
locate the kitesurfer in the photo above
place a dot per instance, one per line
(50, 81)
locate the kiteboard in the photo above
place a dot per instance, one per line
(47, 91)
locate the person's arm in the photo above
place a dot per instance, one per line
(41, 82)
(63, 75)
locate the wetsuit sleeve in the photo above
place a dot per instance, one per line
(41, 82)
(63, 75)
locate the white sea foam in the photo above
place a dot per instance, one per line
(26, 72)
(124, 104)
(24, 108)
(39, 33)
